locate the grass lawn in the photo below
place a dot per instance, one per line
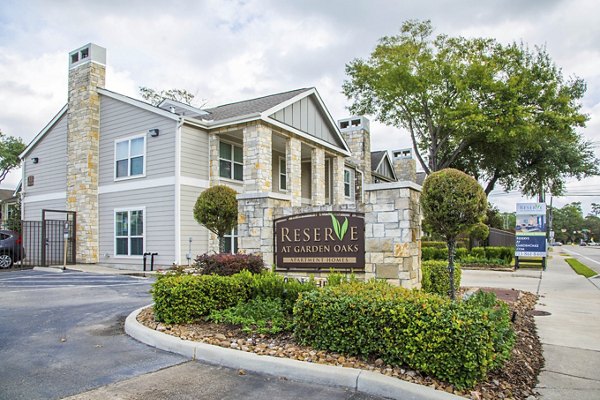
(580, 268)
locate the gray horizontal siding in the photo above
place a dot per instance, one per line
(160, 223)
(307, 116)
(189, 227)
(194, 153)
(120, 120)
(33, 211)
(50, 173)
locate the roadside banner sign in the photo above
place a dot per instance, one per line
(530, 230)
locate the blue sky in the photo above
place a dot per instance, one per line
(225, 51)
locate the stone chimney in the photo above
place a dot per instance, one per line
(405, 165)
(87, 70)
(357, 134)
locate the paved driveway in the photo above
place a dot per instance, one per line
(61, 333)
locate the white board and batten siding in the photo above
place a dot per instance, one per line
(154, 192)
(306, 115)
(49, 174)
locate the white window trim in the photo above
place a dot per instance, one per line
(114, 222)
(129, 138)
(231, 236)
(232, 144)
(282, 174)
(349, 196)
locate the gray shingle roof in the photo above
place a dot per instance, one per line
(251, 106)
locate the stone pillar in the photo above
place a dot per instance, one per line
(255, 223)
(317, 162)
(393, 233)
(213, 156)
(258, 156)
(293, 161)
(356, 131)
(337, 180)
(405, 169)
(86, 74)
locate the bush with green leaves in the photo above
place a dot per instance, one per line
(452, 202)
(187, 298)
(274, 286)
(259, 315)
(458, 342)
(228, 264)
(216, 209)
(436, 277)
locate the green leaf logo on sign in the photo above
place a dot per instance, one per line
(340, 230)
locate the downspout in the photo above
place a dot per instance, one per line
(178, 192)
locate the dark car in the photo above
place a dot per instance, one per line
(11, 248)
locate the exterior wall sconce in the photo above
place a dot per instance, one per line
(153, 132)
(35, 160)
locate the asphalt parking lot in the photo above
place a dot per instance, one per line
(61, 334)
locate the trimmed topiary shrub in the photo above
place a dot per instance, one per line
(216, 209)
(228, 264)
(186, 298)
(436, 277)
(478, 252)
(457, 342)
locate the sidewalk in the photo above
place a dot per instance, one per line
(570, 335)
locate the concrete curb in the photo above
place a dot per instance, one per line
(49, 269)
(350, 378)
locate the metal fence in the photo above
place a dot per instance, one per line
(499, 237)
(39, 243)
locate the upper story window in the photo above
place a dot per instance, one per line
(130, 157)
(347, 180)
(282, 174)
(231, 161)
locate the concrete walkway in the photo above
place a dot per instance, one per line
(570, 335)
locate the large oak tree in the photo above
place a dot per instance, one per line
(502, 113)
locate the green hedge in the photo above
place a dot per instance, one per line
(480, 253)
(436, 277)
(187, 298)
(458, 342)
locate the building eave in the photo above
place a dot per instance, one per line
(43, 132)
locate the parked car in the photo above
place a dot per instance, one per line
(556, 244)
(11, 248)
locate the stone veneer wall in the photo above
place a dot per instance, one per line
(393, 232)
(405, 169)
(392, 229)
(83, 129)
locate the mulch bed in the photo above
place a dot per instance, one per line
(516, 380)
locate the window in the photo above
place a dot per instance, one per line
(129, 232)
(347, 175)
(231, 161)
(130, 157)
(282, 174)
(230, 241)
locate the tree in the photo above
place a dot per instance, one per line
(452, 203)
(154, 97)
(567, 222)
(216, 209)
(493, 217)
(501, 113)
(10, 148)
(592, 224)
(595, 209)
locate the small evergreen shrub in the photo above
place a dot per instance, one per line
(478, 252)
(271, 285)
(187, 298)
(228, 264)
(260, 315)
(458, 342)
(436, 277)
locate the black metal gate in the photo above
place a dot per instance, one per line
(43, 243)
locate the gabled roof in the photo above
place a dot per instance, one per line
(43, 132)
(376, 157)
(380, 157)
(249, 107)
